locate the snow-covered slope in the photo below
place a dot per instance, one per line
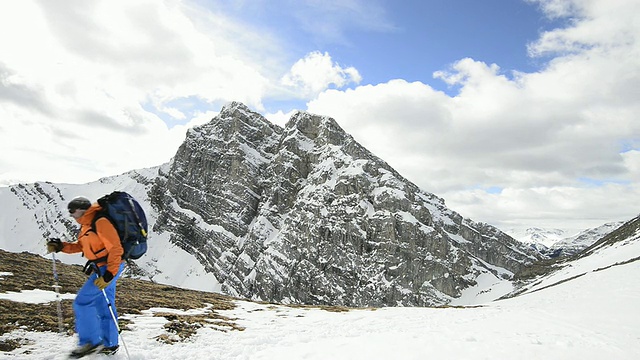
(586, 310)
(618, 248)
(26, 223)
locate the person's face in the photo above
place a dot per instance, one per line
(77, 213)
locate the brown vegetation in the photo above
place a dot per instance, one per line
(29, 271)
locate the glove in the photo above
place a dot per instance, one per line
(54, 245)
(90, 267)
(103, 281)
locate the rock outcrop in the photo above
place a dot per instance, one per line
(305, 214)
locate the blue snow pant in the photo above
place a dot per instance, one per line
(94, 323)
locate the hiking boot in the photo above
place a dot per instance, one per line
(84, 350)
(111, 350)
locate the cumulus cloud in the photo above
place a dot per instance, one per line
(547, 145)
(316, 72)
(83, 77)
(77, 77)
(594, 25)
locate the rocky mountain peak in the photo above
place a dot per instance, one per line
(306, 214)
(235, 122)
(320, 129)
(303, 214)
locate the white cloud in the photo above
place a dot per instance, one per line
(317, 72)
(600, 24)
(78, 76)
(553, 141)
(95, 84)
(632, 164)
(569, 208)
(77, 81)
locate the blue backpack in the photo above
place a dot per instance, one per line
(127, 216)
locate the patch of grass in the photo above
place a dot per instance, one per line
(34, 317)
(30, 271)
(183, 327)
(10, 344)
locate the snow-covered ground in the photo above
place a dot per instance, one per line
(593, 316)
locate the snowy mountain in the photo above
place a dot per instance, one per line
(619, 247)
(555, 242)
(539, 237)
(31, 213)
(574, 244)
(303, 214)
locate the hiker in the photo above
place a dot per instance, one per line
(100, 244)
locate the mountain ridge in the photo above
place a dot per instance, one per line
(554, 242)
(301, 214)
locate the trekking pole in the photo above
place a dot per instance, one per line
(115, 321)
(56, 286)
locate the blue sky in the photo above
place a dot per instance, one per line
(422, 37)
(407, 40)
(518, 113)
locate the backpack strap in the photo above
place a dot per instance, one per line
(99, 214)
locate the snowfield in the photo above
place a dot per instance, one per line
(593, 316)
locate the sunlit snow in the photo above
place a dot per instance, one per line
(595, 315)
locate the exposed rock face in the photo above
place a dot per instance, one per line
(305, 214)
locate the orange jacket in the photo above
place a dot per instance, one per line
(101, 244)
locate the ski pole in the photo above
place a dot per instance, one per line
(115, 321)
(56, 286)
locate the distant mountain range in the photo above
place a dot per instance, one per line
(300, 214)
(555, 242)
(539, 236)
